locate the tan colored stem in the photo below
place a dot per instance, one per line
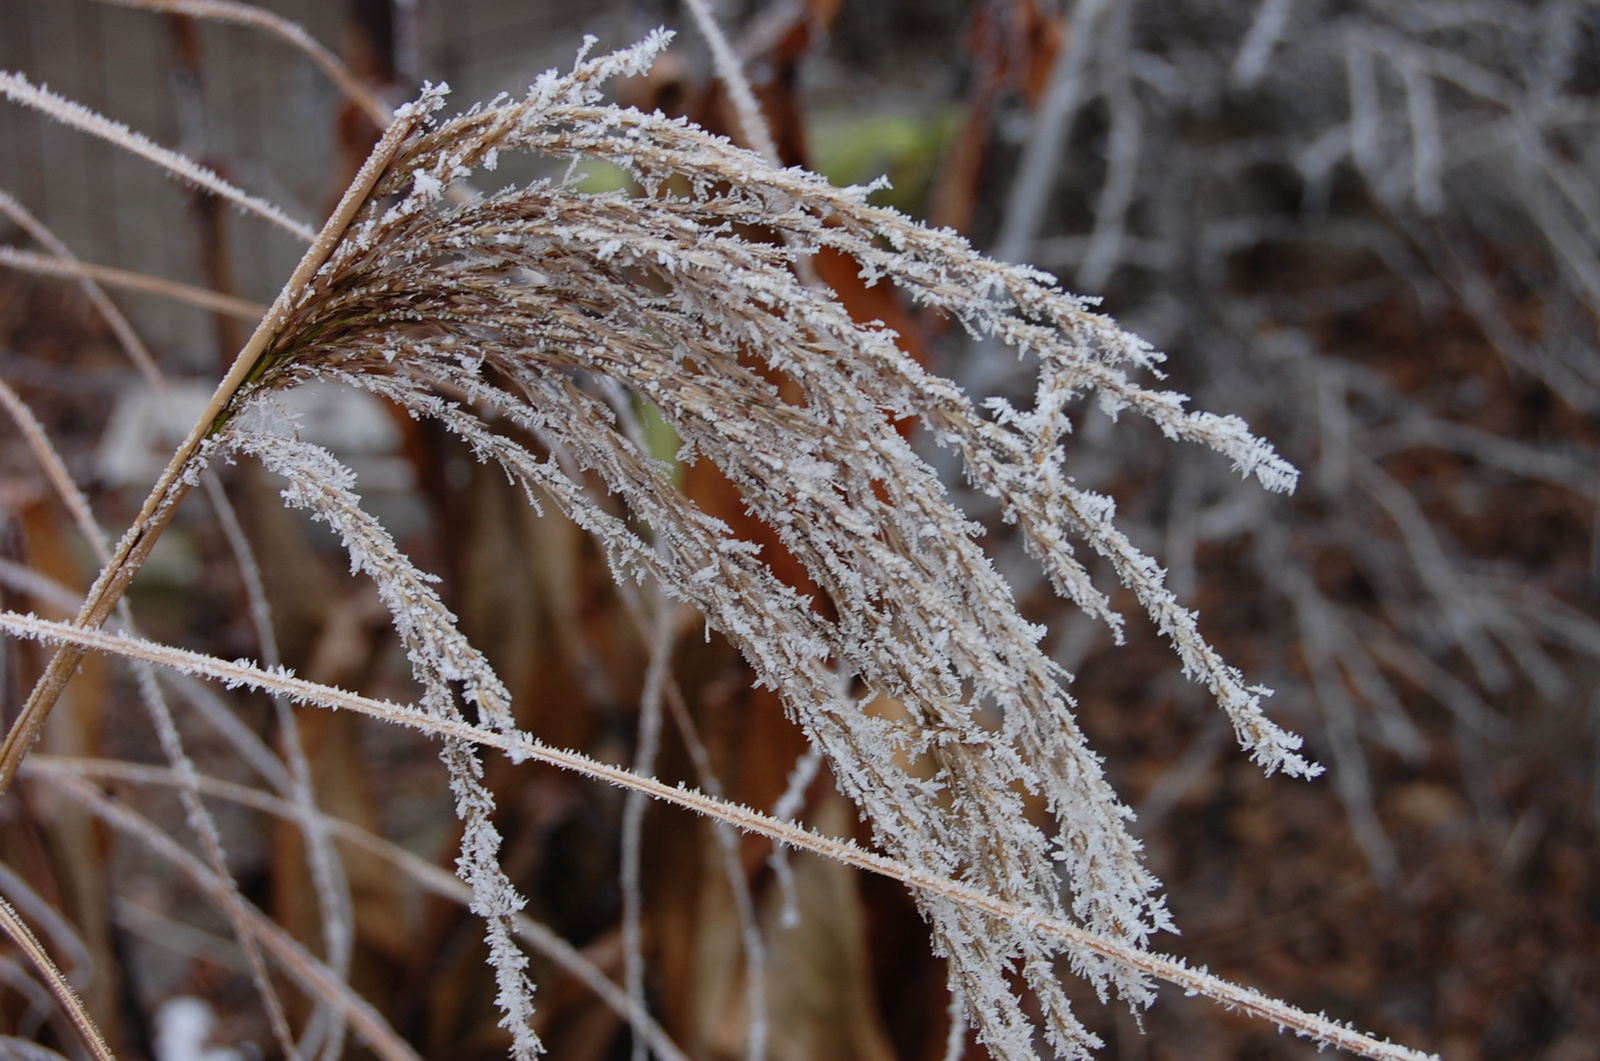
(68, 999)
(27, 261)
(55, 470)
(174, 483)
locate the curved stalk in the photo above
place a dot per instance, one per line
(67, 998)
(176, 481)
(521, 748)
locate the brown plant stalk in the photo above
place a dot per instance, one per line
(135, 545)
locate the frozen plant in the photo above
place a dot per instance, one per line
(535, 322)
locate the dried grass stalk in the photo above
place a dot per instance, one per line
(518, 315)
(65, 996)
(522, 748)
(26, 261)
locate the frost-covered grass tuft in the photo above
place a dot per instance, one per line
(535, 323)
(521, 304)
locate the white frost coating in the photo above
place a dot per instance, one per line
(531, 295)
(16, 88)
(940, 891)
(439, 654)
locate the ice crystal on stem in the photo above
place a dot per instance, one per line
(500, 317)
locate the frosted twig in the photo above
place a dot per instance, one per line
(786, 809)
(752, 123)
(16, 88)
(1122, 158)
(327, 871)
(727, 838)
(644, 763)
(87, 1030)
(1052, 124)
(955, 1039)
(1426, 150)
(755, 948)
(204, 827)
(1266, 30)
(1366, 109)
(1315, 623)
(793, 799)
(1465, 74)
(54, 469)
(520, 747)
(438, 653)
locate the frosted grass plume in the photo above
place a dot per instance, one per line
(510, 317)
